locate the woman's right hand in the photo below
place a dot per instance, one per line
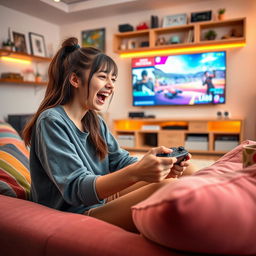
(152, 168)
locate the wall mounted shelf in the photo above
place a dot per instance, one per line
(13, 81)
(23, 56)
(230, 34)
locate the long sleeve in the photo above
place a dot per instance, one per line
(59, 158)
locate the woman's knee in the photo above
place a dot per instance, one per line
(158, 185)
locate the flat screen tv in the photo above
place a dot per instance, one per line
(185, 79)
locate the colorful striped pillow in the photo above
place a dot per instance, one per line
(14, 172)
(8, 135)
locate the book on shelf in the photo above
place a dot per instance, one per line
(190, 37)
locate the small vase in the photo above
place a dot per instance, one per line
(38, 79)
(221, 16)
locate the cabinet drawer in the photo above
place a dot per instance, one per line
(198, 126)
(170, 139)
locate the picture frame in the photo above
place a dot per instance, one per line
(201, 16)
(175, 20)
(19, 41)
(37, 44)
(94, 38)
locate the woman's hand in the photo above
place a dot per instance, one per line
(177, 170)
(152, 168)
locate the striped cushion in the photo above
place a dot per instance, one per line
(8, 135)
(14, 172)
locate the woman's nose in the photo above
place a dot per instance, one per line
(110, 83)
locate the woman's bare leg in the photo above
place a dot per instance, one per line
(118, 211)
(191, 169)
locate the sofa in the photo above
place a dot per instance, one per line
(211, 212)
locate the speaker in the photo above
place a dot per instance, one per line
(226, 114)
(219, 114)
(136, 114)
(125, 27)
(154, 22)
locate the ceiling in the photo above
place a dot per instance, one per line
(70, 11)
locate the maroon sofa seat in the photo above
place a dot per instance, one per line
(27, 228)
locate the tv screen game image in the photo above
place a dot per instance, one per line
(187, 79)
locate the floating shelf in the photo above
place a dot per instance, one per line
(23, 56)
(13, 81)
(192, 38)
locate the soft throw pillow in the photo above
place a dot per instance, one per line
(8, 135)
(212, 211)
(14, 172)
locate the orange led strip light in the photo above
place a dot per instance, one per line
(181, 50)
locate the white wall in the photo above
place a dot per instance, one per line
(241, 74)
(23, 99)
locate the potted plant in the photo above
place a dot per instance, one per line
(210, 35)
(38, 77)
(221, 13)
(8, 45)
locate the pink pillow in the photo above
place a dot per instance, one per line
(213, 211)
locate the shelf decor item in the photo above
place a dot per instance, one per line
(8, 45)
(37, 44)
(125, 28)
(210, 35)
(154, 21)
(221, 14)
(94, 38)
(19, 41)
(175, 20)
(201, 16)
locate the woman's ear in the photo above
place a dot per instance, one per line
(74, 80)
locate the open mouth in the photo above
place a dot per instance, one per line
(101, 96)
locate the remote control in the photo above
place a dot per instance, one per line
(180, 153)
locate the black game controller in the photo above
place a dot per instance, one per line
(180, 153)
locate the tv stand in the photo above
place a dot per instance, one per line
(199, 136)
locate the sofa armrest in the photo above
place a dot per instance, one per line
(28, 228)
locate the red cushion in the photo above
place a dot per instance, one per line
(212, 211)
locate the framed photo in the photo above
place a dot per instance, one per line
(201, 16)
(37, 44)
(19, 41)
(94, 38)
(175, 20)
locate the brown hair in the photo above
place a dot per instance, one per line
(70, 59)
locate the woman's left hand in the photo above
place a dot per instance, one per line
(178, 169)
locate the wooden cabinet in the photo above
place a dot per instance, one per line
(204, 136)
(26, 57)
(191, 35)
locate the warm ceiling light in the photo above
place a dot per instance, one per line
(181, 50)
(57, 1)
(16, 60)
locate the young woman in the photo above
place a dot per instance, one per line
(76, 164)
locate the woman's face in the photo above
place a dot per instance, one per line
(100, 89)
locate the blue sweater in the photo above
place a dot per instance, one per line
(63, 163)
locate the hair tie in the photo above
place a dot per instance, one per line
(71, 48)
(68, 49)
